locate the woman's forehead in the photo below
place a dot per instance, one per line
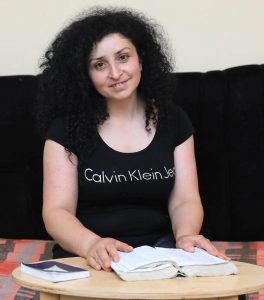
(111, 44)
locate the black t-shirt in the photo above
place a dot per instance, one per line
(125, 195)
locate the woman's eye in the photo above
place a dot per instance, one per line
(99, 65)
(123, 57)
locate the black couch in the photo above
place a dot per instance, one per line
(227, 111)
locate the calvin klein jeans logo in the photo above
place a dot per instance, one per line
(130, 175)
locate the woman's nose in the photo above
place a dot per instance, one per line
(115, 71)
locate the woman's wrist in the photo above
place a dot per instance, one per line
(88, 244)
(183, 237)
(179, 235)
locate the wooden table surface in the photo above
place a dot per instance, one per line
(107, 285)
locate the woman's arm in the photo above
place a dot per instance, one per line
(185, 208)
(60, 197)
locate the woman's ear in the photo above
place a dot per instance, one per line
(140, 58)
(140, 62)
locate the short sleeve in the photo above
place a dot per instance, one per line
(183, 126)
(56, 132)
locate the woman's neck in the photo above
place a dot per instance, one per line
(125, 109)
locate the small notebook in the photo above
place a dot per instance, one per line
(54, 271)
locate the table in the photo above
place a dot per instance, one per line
(107, 285)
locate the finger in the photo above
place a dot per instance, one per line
(210, 248)
(217, 253)
(221, 255)
(124, 247)
(186, 243)
(188, 246)
(102, 257)
(204, 243)
(112, 251)
(93, 263)
(118, 246)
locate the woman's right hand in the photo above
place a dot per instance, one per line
(103, 250)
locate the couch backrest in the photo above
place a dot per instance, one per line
(227, 110)
(20, 160)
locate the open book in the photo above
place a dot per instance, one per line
(54, 271)
(148, 263)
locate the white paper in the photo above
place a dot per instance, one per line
(184, 258)
(141, 255)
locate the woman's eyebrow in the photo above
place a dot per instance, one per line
(118, 52)
(102, 57)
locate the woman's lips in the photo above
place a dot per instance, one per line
(119, 85)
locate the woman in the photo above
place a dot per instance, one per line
(119, 165)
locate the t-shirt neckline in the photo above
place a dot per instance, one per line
(129, 153)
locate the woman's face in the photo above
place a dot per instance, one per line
(115, 68)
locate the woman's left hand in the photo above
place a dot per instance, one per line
(188, 242)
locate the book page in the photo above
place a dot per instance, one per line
(139, 257)
(184, 258)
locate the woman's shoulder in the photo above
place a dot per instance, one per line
(56, 131)
(179, 124)
(176, 112)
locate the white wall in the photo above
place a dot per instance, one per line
(205, 34)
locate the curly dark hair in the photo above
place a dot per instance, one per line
(66, 91)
